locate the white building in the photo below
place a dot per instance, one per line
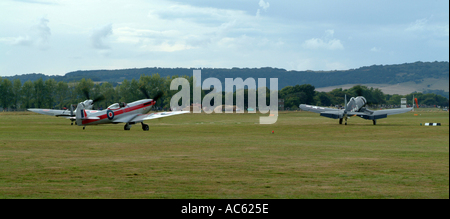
(403, 102)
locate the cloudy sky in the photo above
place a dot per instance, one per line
(56, 37)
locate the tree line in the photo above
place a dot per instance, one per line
(51, 94)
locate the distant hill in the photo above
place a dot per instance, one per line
(417, 73)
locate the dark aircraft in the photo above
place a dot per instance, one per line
(355, 107)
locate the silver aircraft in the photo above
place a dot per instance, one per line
(129, 114)
(354, 107)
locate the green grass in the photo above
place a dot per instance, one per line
(226, 156)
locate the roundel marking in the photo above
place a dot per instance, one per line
(110, 114)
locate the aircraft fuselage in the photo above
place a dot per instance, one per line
(118, 113)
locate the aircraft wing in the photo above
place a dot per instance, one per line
(57, 113)
(51, 112)
(339, 114)
(392, 111)
(126, 118)
(317, 109)
(336, 114)
(142, 117)
(379, 114)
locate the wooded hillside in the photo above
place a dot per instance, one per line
(375, 74)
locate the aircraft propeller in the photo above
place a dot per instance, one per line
(360, 92)
(155, 98)
(97, 99)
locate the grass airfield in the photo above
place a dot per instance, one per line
(226, 156)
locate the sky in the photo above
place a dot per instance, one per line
(56, 37)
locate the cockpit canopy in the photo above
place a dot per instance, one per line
(117, 106)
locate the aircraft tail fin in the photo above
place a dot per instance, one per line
(80, 114)
(345, 103)
(71, 110)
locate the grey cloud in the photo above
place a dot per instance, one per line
(43, 33)
(201, 15)
(99, 35)
(38, 36)
(36, 2)
(23, 41)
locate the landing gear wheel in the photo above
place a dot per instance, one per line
(340, 121)
(84, 127)
(127, 127)
(145, 127)
(374, 122)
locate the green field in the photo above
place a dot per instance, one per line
(226, 156)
